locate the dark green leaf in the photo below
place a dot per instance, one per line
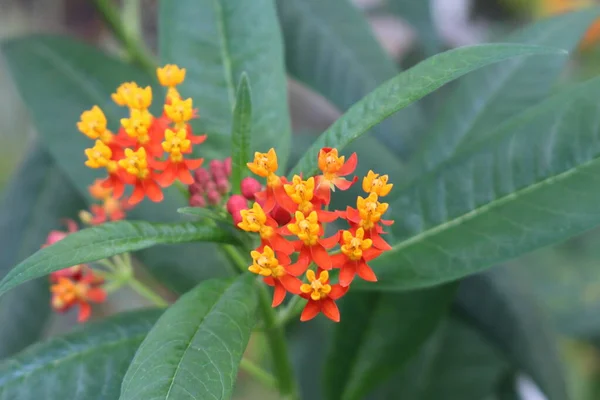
(405, 89)
(35, 202)
(217, 40)
(379, 333)
(531, 184)
(488, 97)
(241, 134)
(194, 349)
(502, 309)
(84, 365)
(456, 363)
(59, 78)
(418, 14)
(106, 240)
(205, 213)
(329, 46)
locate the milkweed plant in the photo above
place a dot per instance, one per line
(348, 265)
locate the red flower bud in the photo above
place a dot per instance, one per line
(223, 185)
(249, 187)
(196, 188)
(217, 169)
(201, 176)
(213, 197)
(235, 204)
(197, 200)
(227, 166)
(281, 216)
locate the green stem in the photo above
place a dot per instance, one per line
(258, 373)
(147, 293)
(278, 346)
(129, 37)
(291, 311)
(235, 257)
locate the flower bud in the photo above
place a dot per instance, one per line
(228, 166)
(249, 187)
(196, 188)
(197, 200)
(223, 185)
(201, 176)
(213, 197)
(217, 169)
(281, 216)
(235, 204)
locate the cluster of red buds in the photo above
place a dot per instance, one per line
(211, 186)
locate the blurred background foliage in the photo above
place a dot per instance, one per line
(565, 279)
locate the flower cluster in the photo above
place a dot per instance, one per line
(148, 152)
(74, 286)
(211, 186)
(290, 218)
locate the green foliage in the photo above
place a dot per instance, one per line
(84, 365)
(37, 198)
(366, 357)
(194, 349)
(106, 240)
(405, 89)
(530, 184)
(229, 37)
(241, 134)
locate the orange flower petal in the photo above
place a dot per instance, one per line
(310, 311)
(337, 291)
(347, 273)
(365, 272)
(320, 256)
(349, 166)
(85, 310)
(278, 294)
(330, 309)
(291, 283)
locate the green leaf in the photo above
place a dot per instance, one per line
(58, 78)
(85, 365)
(418, 14)
(241, 134)
(503, 310)
(531, 184)
(367, 357)
(194, 349)
(36, 200)
(217, 40)
(406, 88)
(205, 213)
(457, 363)
(330, 47)
(106, 240)
(488, 97)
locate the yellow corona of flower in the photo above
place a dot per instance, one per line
(131, 95)
(374, 183)
(137, 125)
(99, 156)
(317, 288)
(170, 75)
(175, 143)
(301, 192)
(330, 163)
(179, 110)
(265, 263)
(93, 124)
(135, 163)
(254, 220)
(353, 246)
(370, 210)
(306, 228)
(264, 164)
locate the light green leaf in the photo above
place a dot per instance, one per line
(36, 200)
(418, 14)
(194, 349)
(216, 41)
(330, 47)
(531, 184)
(106, 240)
(241, 134)
(503, 310)
(58, 78)
(406, 88)
(85, 365)
(490, 96)
(362, 360)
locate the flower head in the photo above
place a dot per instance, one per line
(179, 110)
(301, 192)
(176, 143)
(67, 293)
(334, 168)
(100, 156)
(138, 124)
(321, 295)
(307, 228)
(374, 183)
(370, 210)
(135, 163)
(170, 75)
(266, 264)
(93, 125)
(264, 164)
(353, 246)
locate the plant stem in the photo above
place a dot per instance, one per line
(130, 37)
(279, 351)
(293, 308)
(234, 256)
(147, 293)
(258, 373)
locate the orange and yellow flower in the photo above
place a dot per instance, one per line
(267, 265)
(321, 296)
(68, 293)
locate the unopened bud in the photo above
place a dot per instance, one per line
(223, 185)
(195, 188)
(249, 187)
(227, 166)
(235, 204)
(86, 217)
(217, 169)
(201, 176)
(213, 197)
(197, 200)
(280, 215)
